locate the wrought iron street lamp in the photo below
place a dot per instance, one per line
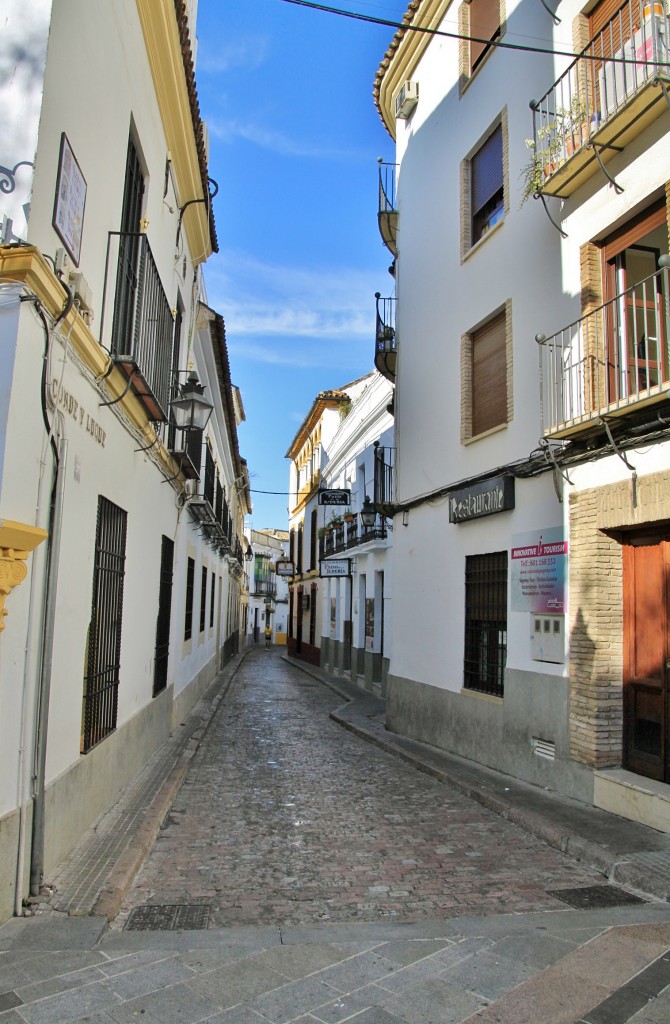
(191, 411)
(368, 514)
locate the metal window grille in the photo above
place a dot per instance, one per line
(313, 537)
(485, 623)
(203, 599)
(194, 449)
(208, 491)
(129, 244)
(218, 511)
(299, 565)
(174, 384)
(101, 682)
(383, 479)
(188, 613)
(312, 616)
(163, 619)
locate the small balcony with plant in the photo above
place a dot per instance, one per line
(385, 337)
(614, 89)
(611, 368)
(387, 214)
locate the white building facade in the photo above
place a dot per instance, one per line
(517, 626)
(268, 588)
(356, 607)
(122, 614)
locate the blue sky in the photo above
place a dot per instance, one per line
(294, 138)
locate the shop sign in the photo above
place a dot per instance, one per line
(342, 496)
(482, 499)
(538, 571)
(335, 567)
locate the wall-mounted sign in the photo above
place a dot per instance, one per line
(68, 218)
(284, 568)
(332, 567)
(538, 571)
(342, 496)
(483, 499)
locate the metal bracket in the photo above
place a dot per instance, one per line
(560, 230)
(622, 456)
(557, 21)
(594, 146)
(619, 451)
(664, 89)
(149, 446)
(548, 453)
(123, 393)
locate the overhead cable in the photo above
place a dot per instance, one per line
(497, 43)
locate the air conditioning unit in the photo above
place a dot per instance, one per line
(407, 99)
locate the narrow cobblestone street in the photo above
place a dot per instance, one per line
(286, 818)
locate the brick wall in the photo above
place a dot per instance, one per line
(596, 609)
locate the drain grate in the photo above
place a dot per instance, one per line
(595, 897)
(169, 918)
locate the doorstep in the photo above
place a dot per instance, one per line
(634, 797)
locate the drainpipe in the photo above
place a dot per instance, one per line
(55, 528)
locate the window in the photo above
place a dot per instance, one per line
(486, 357)
(163, 619)
(188, 613)
(487, 192)
(484, 27)
(103, 664)
(211, 603)
(313, 534)
(299, 566)
(485, 651)
(203, 598)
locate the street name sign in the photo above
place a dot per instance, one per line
(341, 496)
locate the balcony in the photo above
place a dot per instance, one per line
(385, 337)
(387, 215)
(142, 330)
(607, 97)
(612, 363)
(344, 536)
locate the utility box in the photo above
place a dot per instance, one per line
(548, 638)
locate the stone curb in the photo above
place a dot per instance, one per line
(111, 897)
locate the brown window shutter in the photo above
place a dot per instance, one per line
(484, 24)
(489, 376)
(601, 15)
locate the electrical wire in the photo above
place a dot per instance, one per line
(497, 43)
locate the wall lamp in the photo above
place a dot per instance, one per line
(248, 554)
(368, 514)
(191, 411)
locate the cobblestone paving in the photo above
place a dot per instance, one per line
(286, 818)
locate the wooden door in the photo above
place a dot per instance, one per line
(646, 566)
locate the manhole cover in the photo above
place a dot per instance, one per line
(595, 897)
(170, 918)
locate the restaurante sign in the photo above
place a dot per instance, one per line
(483, 499)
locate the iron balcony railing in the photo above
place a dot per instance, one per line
(611, 361)
(349, 535)
(608, 95)
(142, 328)
(385, 337)
(383, 481)
(387, 215)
